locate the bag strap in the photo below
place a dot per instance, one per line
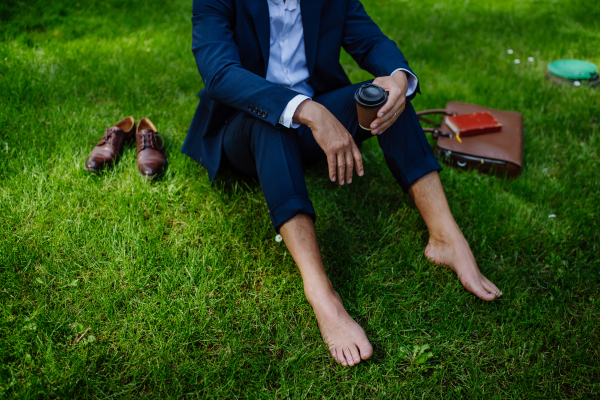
(436, 132)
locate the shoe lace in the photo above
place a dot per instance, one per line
(149, 140)
(108, 137)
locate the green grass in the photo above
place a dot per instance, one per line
(183, 286)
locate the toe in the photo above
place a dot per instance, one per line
(340, 356)
(349, 357)
(485, 295)
(490, 287)
(478, 290)
(333, 353)
(354, 353)
(366, 350)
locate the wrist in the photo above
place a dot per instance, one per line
(402, 81)
(307, 113)
(401, 78)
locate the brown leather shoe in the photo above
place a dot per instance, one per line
(107, 151)
(151, 157)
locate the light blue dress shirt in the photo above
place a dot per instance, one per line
(287, 57)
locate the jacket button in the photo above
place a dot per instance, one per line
(250, 108)
(265, 114)
(255, 111)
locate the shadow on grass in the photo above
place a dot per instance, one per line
(187, 284)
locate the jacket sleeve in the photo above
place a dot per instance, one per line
(218, 60)
(369, 47)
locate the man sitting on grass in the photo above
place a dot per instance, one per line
(276, 98)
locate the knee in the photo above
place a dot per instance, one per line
(407, 119)
(406, 126)
(262, 134)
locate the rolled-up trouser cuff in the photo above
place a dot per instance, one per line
(289, 208)
(414, 173)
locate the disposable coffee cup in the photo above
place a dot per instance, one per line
(369, 99)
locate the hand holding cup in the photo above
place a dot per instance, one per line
(369, 99)
(395, 86)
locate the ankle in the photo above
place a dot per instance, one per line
(319, 295)
(445, 233)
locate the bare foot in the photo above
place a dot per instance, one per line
(347, 341)
(456, 255)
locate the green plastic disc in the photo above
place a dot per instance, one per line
(573, 69)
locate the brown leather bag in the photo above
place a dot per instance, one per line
(501, 152)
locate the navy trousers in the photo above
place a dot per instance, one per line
(276, 156)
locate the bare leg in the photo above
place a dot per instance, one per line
(447, 246)
(347, 341)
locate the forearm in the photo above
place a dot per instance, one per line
(256, 95)
(218, 61)
(384, 58)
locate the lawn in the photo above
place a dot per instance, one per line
(184, 290)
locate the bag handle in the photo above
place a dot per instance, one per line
(436, 132)
(434, 111)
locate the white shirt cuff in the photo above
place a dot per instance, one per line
(286, 118)
(412, 81)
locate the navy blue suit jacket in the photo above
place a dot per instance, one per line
(230, 43)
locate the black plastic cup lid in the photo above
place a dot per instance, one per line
(370, 95)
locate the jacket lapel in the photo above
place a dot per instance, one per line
(311, 17)
(260, 14)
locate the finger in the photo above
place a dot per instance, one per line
(393, 112)
(349, 165)
(357, 160)
(383, 127)
(332, 164)
(393, 95)
(389, 119)
(341, 167)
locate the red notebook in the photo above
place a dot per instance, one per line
(473, 124)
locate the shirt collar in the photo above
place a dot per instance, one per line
(289, 5)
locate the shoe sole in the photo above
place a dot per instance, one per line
(96, 170)
(91, 169)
